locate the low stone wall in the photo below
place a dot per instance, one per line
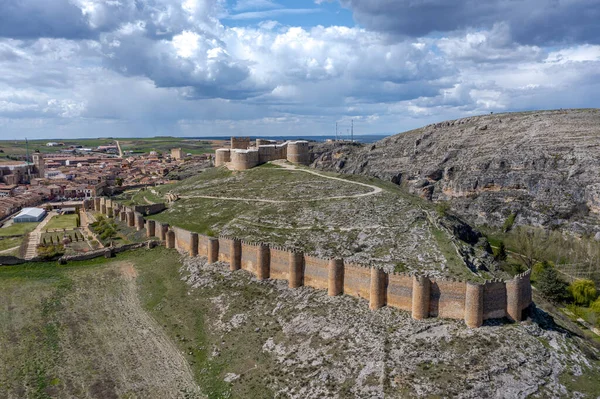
(150, 209)
(423, 296)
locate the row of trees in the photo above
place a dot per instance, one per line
(105, 228)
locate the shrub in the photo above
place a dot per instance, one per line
(583, 292)
(550, 284)
(442, 208)
(595, 306)
(500, 252)
(509, 222)
(538, 268)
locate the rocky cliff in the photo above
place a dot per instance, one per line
(542, 166)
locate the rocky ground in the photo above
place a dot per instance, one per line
(542, 166)
(309, 345)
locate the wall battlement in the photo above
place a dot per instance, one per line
(424, 296)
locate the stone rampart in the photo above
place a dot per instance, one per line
(150, 209)
(357, 281)
(271, 152)
(447, 299)
(423, 296)
(183, 239)
(280, 263)
(298, 152)
(399, 291)
(316, 272)
(222, 156)
(240, 143)
(202, 245)
(249, 260)
(244, 159)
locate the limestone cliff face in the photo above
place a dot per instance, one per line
(543, 166)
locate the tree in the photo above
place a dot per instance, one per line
(509, 222)
(595, 306)
(500, 252)
(583, 291)
(530, 245)
(550, 284)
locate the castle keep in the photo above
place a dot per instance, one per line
(241, 156)
(421, 295)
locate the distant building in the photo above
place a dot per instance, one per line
(7, 191)
(38, 162)
(28, 215)
(14, 172)
(176, 154)
(52, 144)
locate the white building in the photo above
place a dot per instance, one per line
(28, 215)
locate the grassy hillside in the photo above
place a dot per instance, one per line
(361, 219)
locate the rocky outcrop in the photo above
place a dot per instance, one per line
(542, 166)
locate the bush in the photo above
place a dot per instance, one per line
(595, 306)
(500, 252)
(509, 222)
(583, 292)
(442, 208)
(550, 284)
(538, 268)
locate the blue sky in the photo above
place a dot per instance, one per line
(87, 68)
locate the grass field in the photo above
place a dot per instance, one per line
(8, 243)
(80, 331)
(17, 229)
(137, 145)
(67, 222)
(138, 197)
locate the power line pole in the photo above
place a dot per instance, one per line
(336, 131)
(352, 132)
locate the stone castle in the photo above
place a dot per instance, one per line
(242, 156)
(421, 295)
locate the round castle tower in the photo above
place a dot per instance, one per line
(297, 152)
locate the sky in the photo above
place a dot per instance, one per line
(136, 68)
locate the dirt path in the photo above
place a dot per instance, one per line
(131, 354)
(293, 168)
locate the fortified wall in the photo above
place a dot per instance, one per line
(421, 295)
(241, 156)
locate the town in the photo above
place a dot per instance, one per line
(80, 173)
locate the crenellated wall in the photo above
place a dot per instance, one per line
(357, 280)
(423, 296)
(316, 272)
(242, 157)
(240, 143)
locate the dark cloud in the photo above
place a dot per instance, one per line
(27, 19)
(536, 22)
